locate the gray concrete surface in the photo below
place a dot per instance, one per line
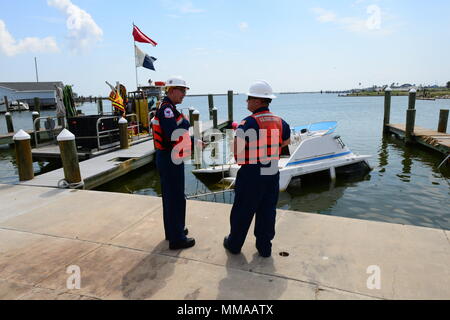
(117, 241)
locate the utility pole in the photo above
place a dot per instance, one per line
(35, 64)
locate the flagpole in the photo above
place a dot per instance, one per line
(134, 47)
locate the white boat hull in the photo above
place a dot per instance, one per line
(310, 152)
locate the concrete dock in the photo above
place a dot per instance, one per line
(117, 241)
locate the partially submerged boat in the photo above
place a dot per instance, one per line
(314, 148)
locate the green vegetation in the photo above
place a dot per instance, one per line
(421, 93)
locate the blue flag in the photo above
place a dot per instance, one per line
(143, 59)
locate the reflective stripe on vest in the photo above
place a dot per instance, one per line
(158, 136)
(116, 100)
(268, 145)
(181, 147)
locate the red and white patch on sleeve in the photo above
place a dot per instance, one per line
(168, 113)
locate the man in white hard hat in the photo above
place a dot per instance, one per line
(173, 144)
(258, 144)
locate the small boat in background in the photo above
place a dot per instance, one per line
(313, 148)
(18, 106)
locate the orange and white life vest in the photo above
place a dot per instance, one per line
(181, 148)
(268, 145)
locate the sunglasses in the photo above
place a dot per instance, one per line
(181, 89)
(252, 98)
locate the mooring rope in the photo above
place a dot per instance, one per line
(64, 184)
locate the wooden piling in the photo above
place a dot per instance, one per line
(100, 106)
(197, 135)
(24, 157)
(34, 116)
(443, 120)
(9, 122)
(123, 131)
(210, 105)
(412, 99)
(230, 105)
(191, 119)
(214, 116)
(6, 103)
(69, 156)
(410, 123)
(387, 108)
(37, 104)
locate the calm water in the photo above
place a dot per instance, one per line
(404, 187)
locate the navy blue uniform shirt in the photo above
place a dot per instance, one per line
(167, 115)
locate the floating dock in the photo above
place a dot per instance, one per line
(105, 167)
(51, 152)
(7, 138)
(117, 242)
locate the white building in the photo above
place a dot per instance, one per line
(27, 91)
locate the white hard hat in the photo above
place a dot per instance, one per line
(261, 89)
(176, 82)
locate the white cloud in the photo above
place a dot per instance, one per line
(243, 26)
(11, 47)
(372, 24)
(83, 31)
(183, 7)
(324, 15)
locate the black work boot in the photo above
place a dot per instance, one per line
(225, 245)
(183, 244)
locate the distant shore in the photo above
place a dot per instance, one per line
(421, 94)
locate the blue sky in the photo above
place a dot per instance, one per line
(221, 45)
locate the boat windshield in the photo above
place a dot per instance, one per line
(326, 126)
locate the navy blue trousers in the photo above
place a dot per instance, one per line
(173, 197)
(254, 194)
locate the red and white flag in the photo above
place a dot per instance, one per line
(139, 36)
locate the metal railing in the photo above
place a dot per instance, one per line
(109, 133)
(50, 126)
(104, 133)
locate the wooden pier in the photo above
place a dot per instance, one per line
(438, 141)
